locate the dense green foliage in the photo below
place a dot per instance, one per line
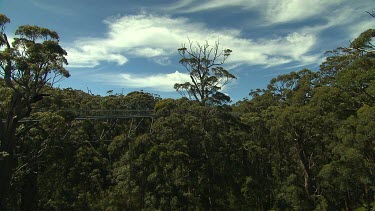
(307, 142)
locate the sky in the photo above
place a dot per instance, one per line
(125, 45)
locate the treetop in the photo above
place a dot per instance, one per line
(35, 32)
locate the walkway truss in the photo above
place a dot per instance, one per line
(113, 114)
(102, 114)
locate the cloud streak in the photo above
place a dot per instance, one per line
(272, 11)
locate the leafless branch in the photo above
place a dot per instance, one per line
(371, 13)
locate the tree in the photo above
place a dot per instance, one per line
(191, 161)
(204, 64)
(347, 178)
(33, 61)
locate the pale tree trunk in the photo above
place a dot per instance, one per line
(306, 173)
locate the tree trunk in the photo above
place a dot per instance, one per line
(6, 166)
(369, 196)
(29, 193)
(5, 175)
(7, 145)
(306, 173)
(347, 201)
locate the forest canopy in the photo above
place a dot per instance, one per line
(306, 142)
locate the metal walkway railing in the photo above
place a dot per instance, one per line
(111, 114)
(82, 114)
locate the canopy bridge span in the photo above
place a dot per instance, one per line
(111, 114)
(95, 114)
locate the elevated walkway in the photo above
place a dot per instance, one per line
(82, 114)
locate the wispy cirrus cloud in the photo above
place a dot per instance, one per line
(156, 37)
(356, 30)
(329, 12)
(192, 6)
(272, 11)
(296, 10)
(57, 7)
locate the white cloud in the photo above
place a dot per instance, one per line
(179, 4)
(149, 52)
(157, 37)
(352, 17)
(91, 56)
(296, 10)
(159, 82)
(281, 50)
(332, 13)
(215, 4)
(273, 11)
(357, 29)
(164, 61)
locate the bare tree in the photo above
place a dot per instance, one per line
(204, 64)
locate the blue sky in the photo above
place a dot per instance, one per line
(132, 45)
